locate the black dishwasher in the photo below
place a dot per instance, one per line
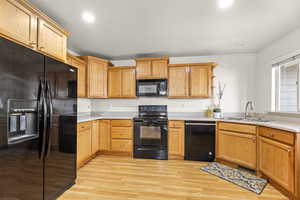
(200, 140)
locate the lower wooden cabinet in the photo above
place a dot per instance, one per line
(120, 145)
(122, 136)
(95, 136)
(84, 142)
(176, 140)
(105, 138)
(277, 162)
(239, 148)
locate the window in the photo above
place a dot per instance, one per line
(285, 87)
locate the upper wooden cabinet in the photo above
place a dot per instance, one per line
(51, 41)
(121, 82)
(152, 68)
(96, 76)
(178, 82)
(200, 81)
(26, 25)
(81, 74)
(191, 80)
(18, 22)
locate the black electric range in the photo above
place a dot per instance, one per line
(151, 132)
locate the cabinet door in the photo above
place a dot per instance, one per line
(114, 83)
(176, 141)
(160, 69)
(105, 138)
(18, 23)
(128, 83)
(51, 41)
(178, 82)
(143, 69)
(119, 145)
(97, 79)
(84, 146)
(277, 162)
(81, 77)
(95, 136)
(238, 148)
(200, 81)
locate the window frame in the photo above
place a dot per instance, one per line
(276, 86)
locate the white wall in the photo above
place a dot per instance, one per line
(280, 48)
(236, 70)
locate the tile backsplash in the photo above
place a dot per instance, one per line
(131, 105)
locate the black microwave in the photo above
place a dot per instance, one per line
(154, 88)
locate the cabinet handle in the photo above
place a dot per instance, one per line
(288, 150)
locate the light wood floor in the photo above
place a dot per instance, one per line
(123, 178)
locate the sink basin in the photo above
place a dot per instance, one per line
(248, 119)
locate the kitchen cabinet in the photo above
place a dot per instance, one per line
(95, 136)
(84, 142)
(122, 137)
(105, 138)
(237, 147)
(176, 140)
(51, 41)
(191, 80)
(200, 81)
(152, 68)
(129, 82)
(114, 83)
(81, 74)
(276, 160)
(121, 82)
(96, 76)
(18, 22)
(178, 82)
(26, 25)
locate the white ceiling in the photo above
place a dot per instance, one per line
(130, 28)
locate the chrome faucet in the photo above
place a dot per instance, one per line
(249, 103)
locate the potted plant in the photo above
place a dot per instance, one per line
(217, 113)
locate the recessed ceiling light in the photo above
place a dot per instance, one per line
(88, 17)
(225, 3)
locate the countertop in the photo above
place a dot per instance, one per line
(288, 126)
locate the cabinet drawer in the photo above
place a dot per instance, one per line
(279, 135)
(121, 145)
(176, 124)
(121, 132)
(83, 126)
(242, 128)
(121, 122)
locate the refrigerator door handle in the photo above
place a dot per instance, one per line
(50, 117)
(42, 118)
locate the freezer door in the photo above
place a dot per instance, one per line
(60, 161)
(21, 168)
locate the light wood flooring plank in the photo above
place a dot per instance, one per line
(125, 178)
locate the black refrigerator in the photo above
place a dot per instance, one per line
(38, 124)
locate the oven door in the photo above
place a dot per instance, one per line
(151, 134)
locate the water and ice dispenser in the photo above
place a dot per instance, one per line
(22, 118)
